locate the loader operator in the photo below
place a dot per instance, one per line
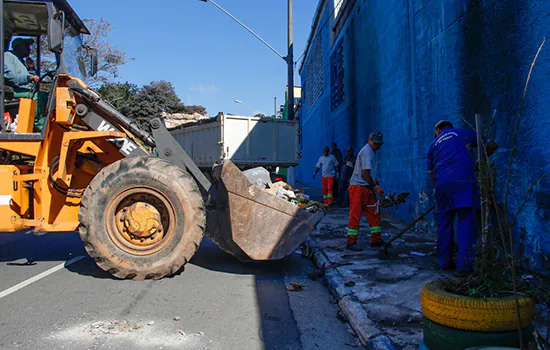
(362, 194)
(452, 173)
(329, 166)
(16, 75)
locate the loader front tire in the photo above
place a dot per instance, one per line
(142, 218)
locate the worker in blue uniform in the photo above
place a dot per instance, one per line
(452, 172)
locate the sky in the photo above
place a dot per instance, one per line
(209, 58)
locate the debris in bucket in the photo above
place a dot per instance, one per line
(297, 197)
(295, 287)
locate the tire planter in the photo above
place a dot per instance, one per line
(439, 337)
(474, 314)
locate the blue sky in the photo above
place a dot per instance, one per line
(208, 57)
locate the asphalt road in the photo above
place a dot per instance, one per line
(220, 303)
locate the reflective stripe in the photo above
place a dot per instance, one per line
(375, 229)
(329, 195)
(352, 232)
(325, 197)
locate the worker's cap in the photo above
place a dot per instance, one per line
(441, 123)
(350, 149)
(325, 148)
(377, 137)
(19, 41)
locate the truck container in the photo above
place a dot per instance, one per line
(246, 141)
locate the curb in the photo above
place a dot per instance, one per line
(369, 334)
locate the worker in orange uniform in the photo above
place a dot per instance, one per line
(329, 165)
(362, 194)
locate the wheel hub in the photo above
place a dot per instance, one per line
(142, 220)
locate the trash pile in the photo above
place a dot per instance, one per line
(260, 177)
(174, 120)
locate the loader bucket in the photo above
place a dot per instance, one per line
(253, 224)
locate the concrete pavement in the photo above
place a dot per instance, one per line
(220, 303)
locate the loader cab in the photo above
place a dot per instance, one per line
(57, 48)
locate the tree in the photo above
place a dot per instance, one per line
(147, 102)
(259, 115)
(110, 58)
(153, 99)
(118, 94)
(195, 109)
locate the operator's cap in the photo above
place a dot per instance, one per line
(18, 41)
(377, 137)
(326, 148)
(441, 122)
(350, 148)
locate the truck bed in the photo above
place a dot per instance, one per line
(246, 141)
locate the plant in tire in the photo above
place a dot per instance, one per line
(142, 218)
(495, 298)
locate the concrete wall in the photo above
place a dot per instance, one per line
(410, 63)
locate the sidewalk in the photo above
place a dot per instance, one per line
(381, 298)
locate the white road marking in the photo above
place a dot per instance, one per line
(39, 277)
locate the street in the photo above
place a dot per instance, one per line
(216, 303)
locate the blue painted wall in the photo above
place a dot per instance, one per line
(410, 63)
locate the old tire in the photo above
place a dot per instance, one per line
(439, 337)
(142, 218)
(475, 314)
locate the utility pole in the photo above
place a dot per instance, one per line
(275, 107)
(290, 64)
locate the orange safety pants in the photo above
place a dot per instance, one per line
(362, 200)
(328, 184)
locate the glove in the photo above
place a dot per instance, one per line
(379, 190)
(314, 175)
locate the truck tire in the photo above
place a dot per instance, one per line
(142, 218)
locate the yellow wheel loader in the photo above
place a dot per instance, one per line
(139, 202)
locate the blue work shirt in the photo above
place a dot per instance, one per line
(15, 71)
(450, 161)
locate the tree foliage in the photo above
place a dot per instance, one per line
(119, 94)
(147, 102)
(110, 57)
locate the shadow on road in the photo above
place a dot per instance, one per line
(278, 326)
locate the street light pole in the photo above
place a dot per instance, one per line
(290, 64)
(246, 104)
(289, 57)
(245, 27)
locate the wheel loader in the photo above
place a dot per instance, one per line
(139, 202)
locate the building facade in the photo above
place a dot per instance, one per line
(400, 66)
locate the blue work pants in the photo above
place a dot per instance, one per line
(466, 238)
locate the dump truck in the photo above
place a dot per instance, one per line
(140, 203)
(247, 141)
